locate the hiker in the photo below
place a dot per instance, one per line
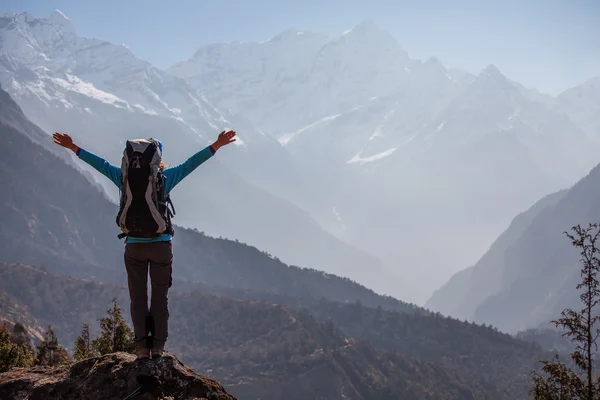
(145, 220)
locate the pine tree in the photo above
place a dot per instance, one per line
(11, 353)
(21, 338)
(115, 335)
(49, 352)
(19, 335)
(83, 345)
(578, 380)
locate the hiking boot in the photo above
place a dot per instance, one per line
(142, 352)
(158, 352)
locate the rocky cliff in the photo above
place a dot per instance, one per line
(112, 376)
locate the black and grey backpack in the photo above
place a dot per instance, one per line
(144, 207)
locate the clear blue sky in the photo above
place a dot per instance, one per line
(547, 44)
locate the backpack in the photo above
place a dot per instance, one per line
(143, 207)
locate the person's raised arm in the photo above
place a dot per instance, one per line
(223, 139)
(176, 174)
(66, 141)
(107, 169)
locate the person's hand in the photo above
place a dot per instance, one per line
(64, 140)
(224, 139)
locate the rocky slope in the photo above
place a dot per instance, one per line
(113, 376)
(13, 311)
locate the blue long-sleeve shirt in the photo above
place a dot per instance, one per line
(173, 176)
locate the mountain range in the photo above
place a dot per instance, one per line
(378, 167)
(411, 149)
(102, 94)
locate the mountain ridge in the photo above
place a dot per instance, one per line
(467, 288)
(536, 265)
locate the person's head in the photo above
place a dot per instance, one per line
(163, 165)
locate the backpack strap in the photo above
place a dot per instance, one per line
(169, 213)
(172, 209)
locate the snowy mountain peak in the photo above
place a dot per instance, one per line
(73, 68)
(58, 17)
(368, 31)
(367, 38)
(365, 27)
(55, 22)
(493, 72)
(491, 77)
(432, 72)
(290, 34)
(61, 21)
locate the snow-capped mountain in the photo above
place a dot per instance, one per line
(102, 94)
(401, 157)
(271, 81)
(51, 47)
(233, 75)
(376, 128)
(401, 149)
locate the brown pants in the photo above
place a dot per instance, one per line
(159, 256)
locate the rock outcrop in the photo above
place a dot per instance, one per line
(112, 376)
